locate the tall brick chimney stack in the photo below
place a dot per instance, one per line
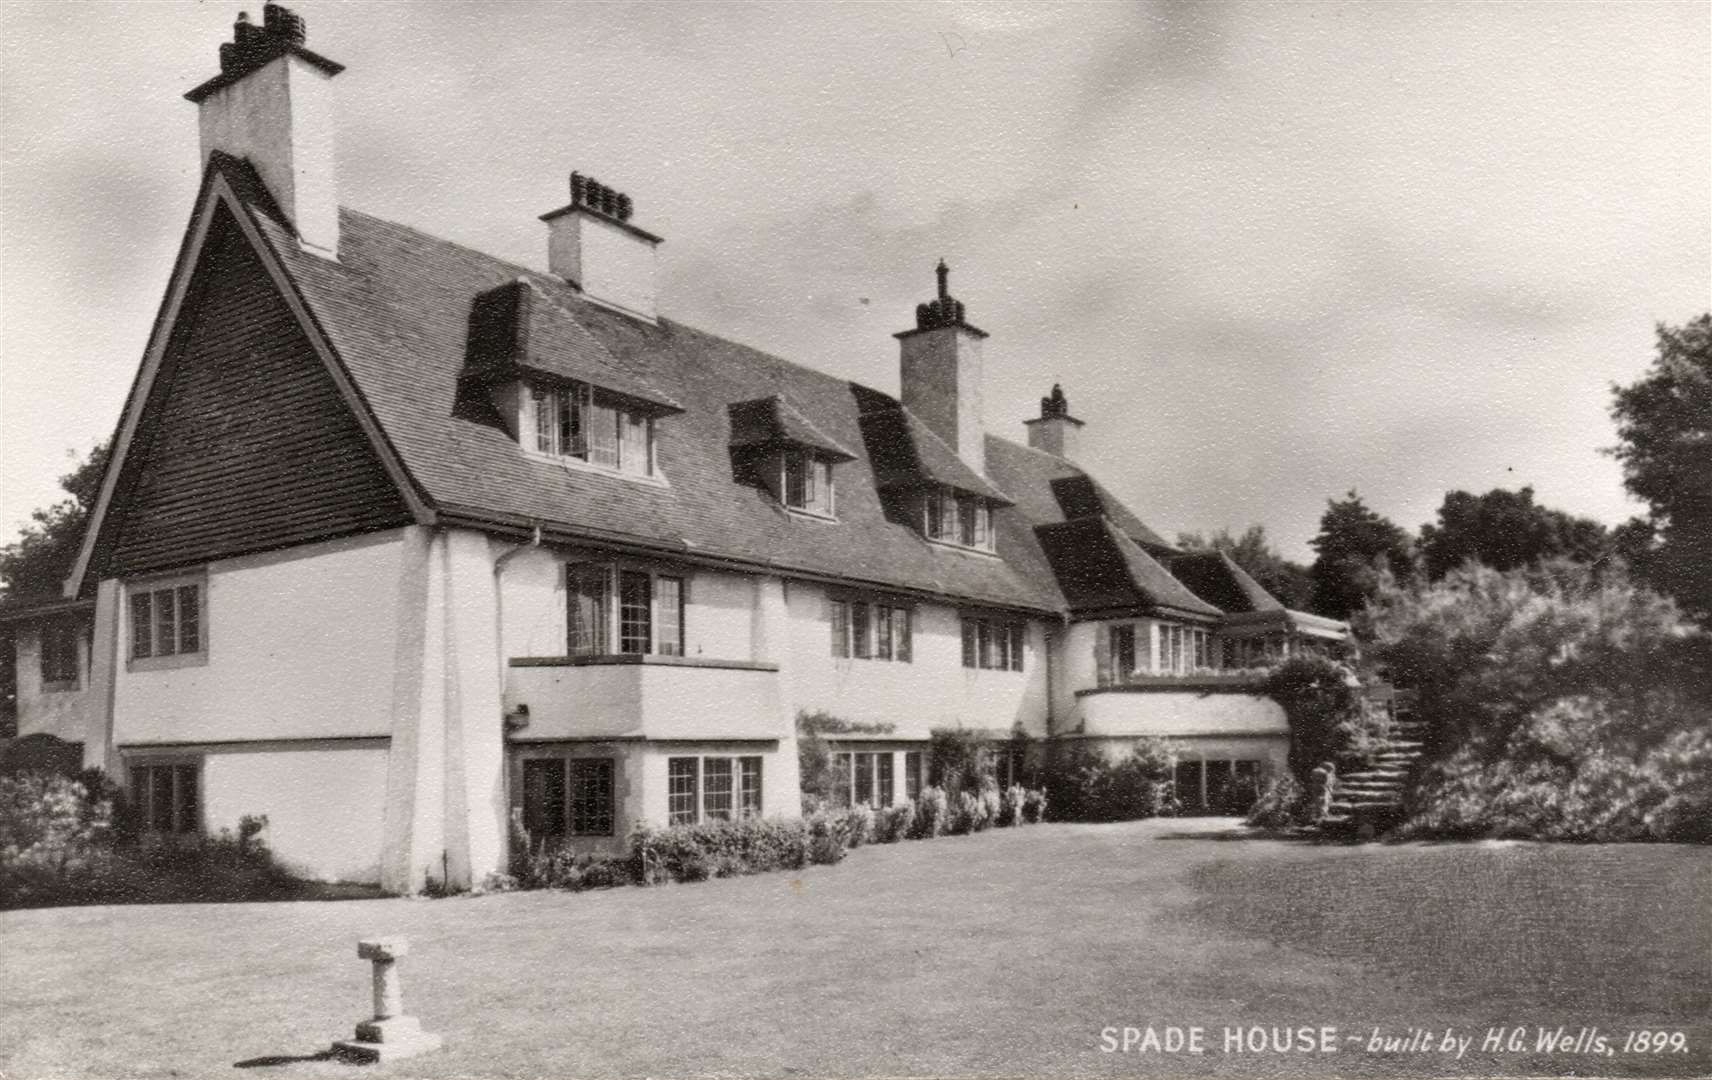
(941, 373)
(1055, 430)
(272, 104)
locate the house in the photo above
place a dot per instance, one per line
(399, 540)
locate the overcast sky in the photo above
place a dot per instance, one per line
(1272, 252)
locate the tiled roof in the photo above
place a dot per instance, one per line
(774, 421)
(396, 308)
(515, 326)
(1100, 568)
(1213, 577)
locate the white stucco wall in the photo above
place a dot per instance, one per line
(299, 645)
(63, 714)
(934, 690)
(1175, 714)
(656, 700)
(324, 806)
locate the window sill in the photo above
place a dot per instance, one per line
(985, 553)
(812, 515)
(648, 659)
(571, 464)
(167, 663)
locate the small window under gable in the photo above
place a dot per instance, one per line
(577, 421)
(778, 448)
(959, 518)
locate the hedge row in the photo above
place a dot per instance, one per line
(759, 845)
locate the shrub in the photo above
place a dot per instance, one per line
(1010, 806)
(1034, 805)
(931, 815)
(956, 761)
(986, 813)
(1084, 785)
(709, 849)
(1283, 802)
(960, 811)
(826, 841)
(858, 824)
(893, 823)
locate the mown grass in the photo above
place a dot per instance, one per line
(1004, 953)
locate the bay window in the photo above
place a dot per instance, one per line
(567, 796)
(647, 618)
(578, 421)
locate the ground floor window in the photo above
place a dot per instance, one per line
(167, 797)
(1007, 766)
(712, 789)
(912, 775)
(568, 796)
(1217, 786)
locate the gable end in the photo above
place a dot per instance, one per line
(245, 443)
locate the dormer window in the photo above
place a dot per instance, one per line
(952, 517)
(806, 482)
(575, 420)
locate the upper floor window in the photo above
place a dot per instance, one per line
(1184, 649)
(993, 644)
(1123, 649)
(871, 631)
(952, 518)
(639, 611)
(575, 420)
(167, 620)
(59, 656)
(806, 482)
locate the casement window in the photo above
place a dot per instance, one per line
(912, 775)
(806, 482)
(871, 631)
(1123, 650)
(712, 789)
(167, 620)
(568, 796)
(952, 518)
(867, 779)
(60, 670)
(992, 644)
(647, 617)
(1006, 762)
(1184, 650)
(167, 797)
(580, 422)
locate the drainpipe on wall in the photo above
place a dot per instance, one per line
(499, 565)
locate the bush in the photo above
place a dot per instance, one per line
(823, 784)
(59, 845)
(1084, 785)
(932, 812)
(986, 813)
(1010, 806)
(1560, 702)
(858, 824)
(826, 841)
(960, 811)
(709, 849)
(893, 823)
(957, 761)
(1034, 806)
(1283, 802)
(560, 868)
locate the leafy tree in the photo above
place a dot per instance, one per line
(1252, 551)
(1504, 530)
(37, 562)
(1664, 428)
(1355, 549)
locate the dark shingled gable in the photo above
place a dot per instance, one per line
(1099, 568)
(774, 421)
(1213, 577)
(396, 308)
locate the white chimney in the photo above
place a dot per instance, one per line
(1055, 430)
(940, 374)
(592, 244)
(272, 104)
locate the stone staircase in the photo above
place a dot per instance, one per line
(1370, 800)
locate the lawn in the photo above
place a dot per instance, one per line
(1005, 953)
